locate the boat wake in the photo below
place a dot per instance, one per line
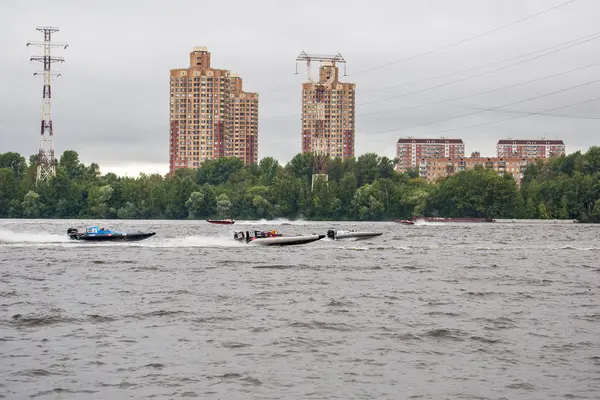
(428, 223)
(10, 237)
(278, 221)
(194, 241)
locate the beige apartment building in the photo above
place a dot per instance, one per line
(409, 151)
(433, 169)
(210, 115)
(328, 114)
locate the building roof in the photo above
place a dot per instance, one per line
(510, 141)
(430, 141)
(454, 159)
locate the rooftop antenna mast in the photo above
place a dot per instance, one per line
(318, 140)
(45, 162)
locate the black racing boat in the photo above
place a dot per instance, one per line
(96, 234)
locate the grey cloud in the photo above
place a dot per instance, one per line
(111, 104)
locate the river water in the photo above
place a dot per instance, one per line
(434, 311)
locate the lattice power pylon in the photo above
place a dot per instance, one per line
(46, 168)
(318, 138)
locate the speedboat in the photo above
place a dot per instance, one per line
(404, 221)
(339, 235)
(228, 221)
(96, 234)
(274, 238)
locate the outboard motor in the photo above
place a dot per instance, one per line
(331, 234)
(73, 233)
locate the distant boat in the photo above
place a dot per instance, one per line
(339, 235)
(96, 234)
(458, 219)
(404, 221)
(228, 221)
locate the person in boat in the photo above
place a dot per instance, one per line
(238, 235)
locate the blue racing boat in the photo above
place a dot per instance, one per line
(97, 234)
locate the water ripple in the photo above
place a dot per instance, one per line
(501, 311)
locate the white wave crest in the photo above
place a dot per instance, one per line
(8, 236)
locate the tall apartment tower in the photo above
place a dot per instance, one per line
(328, 110)
(244, 122)
(409, 151)
(530, 148)
(210, 115)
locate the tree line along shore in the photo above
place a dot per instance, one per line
(363, 188)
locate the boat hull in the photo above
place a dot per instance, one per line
(404, 221)
(341, 235)
(220, 222)
(285, 240)
(115, 237)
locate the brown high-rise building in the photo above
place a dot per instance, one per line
(328, 110)
(210, 115)
(244, 123)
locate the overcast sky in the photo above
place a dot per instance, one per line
(111, 104)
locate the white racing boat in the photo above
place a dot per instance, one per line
(285, 240)
(340, 235)
(274, 238)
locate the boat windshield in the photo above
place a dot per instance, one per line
(97, 230)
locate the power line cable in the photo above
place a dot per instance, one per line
(447, 101)
(435, 50)
(570, 43)
(524, 112)
(515, 117)
(596, 36)
(502, 106)
(505, 119)
(467, 39)
(481, 66)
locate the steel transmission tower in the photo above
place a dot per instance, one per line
(318, 139)
(45, 167)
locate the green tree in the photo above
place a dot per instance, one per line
(70, 161)
(101, 199)
(301, 166)
(179, 193)
(32, 205)
(15, 162)
(223, 206)
(367, 204)
(596, 211)
(269, 168)
(8, 190)
(217, 172)
(196, 205)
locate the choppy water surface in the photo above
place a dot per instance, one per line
(469, 311)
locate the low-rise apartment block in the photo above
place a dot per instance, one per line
(530, 148)
(433, 169)
(409, 151)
